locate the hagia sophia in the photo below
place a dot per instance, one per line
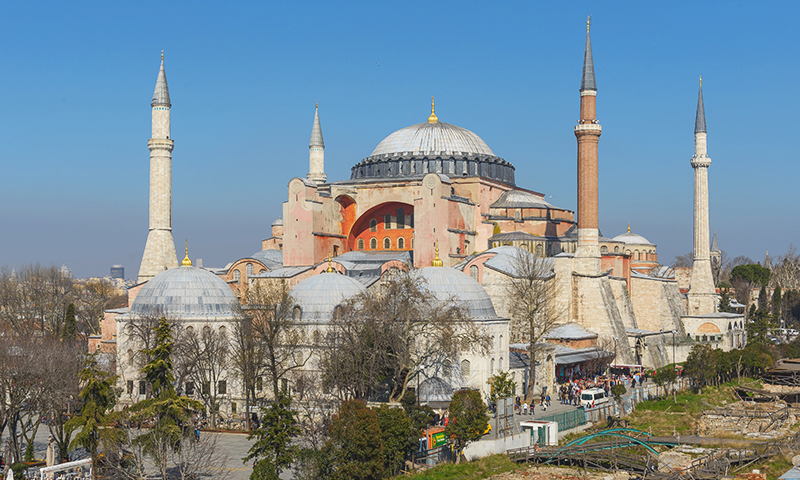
(434, 198)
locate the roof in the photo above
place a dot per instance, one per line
(506, 259)
(587, 79)
(714, 244)
(282, 272)
(161, 94)
(564, 355)
(277, 222)
(792, 474)
(184, 292)
(520, 199)
(427, 138)
(318, 296)
(445, 283)
(316, 132)
(632, 239)
(570, 331)
(700, 119)
(271, 258)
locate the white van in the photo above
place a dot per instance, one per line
(596, 395)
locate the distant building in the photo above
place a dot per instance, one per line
(118, 271)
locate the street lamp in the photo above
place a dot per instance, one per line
(615, 350)
(673, 346)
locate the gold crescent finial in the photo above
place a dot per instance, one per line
(629, 227)
(437, 262)
(186, 262)
(162, 55)
(316, 104)
(701, 81)
(330, 268)
(588, 22)
(433, 118)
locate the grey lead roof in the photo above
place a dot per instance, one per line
(714, 244)
(700, 121)
(161, 94)
(587, 80)
(316, 132)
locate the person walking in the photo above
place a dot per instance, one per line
(525, 408)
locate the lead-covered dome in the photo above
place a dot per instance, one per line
(317, 297)
(433, 147)
(446, 282)
(185, 292)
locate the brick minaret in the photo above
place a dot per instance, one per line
(588, 132)
(316, 152)
(159, 251)
(702, 294)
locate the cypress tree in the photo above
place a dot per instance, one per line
(70, 325)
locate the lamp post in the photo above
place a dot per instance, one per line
(673, 346)
(615, 350)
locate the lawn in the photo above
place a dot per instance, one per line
(481, 468)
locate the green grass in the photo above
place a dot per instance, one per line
(481, 468)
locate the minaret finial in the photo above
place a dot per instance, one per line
(437, 262)
(701, 81)
(629, 227)
(186, 262)
(433, 118)
(700, 119)
(588, 22)
(162, 55)
(330, 268)
(316, 104)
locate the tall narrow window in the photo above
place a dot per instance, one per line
(222, 387)
(373, 243)
(237, 275)
(373, 225)
(387, 222)
(189, 388)
(129, 386)
(465, 368)
(401, 218)
(401, 243)
(142, 387)
(360, 244)
(249, 269)
(387, 244)
(473, 272)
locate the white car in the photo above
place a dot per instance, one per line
(596, 395)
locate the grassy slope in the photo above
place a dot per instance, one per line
(481, 468)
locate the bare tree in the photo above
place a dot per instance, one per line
(247, 354)
(200, 459)
(205, 357)
(93, 299)
(682, 261)
(786, 270)
(35, 298)
(531, 293)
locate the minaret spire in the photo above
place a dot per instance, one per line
(159, 251)
(702, 294)
(316, 152)
(588, 133)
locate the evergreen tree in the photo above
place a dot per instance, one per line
(70, 325)
(468, 419)
(158, 371)
(273, 450)
(355, 444)
(777, 302)
(398, 436)
(763, 299)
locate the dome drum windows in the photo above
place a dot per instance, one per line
(360, 244)
(387, 243)
(373, 243)
(401, 243)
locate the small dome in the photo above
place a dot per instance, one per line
(632, 238)
(520, 199)
(445, 282)
(277, 222)
(319, 295)
(427, 138)
(185, 292)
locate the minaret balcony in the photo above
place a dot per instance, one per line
(588, 128)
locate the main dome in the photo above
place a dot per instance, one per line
(432, 139)
(433, 147)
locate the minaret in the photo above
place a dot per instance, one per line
(702, 294)
(316, 152)
(159, 251)
(588, 132)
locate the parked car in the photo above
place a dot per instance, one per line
(593, 395)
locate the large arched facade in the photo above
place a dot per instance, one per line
(388, 226)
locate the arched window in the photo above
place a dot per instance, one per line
(447, 368)
(373, 243)
(206, 330)
(473, 272)
(237, 275)
(387, 222)
(627, 252)
(373, 225)
(298, 313)
(317, 337)
(603, 249)
(130, 357)
(517, 216)
(637, 255)
(262, 271)
(501, 344)
(491, 369)
(249, 269)
(500, 364)
(360, 244)
(387, 244)
(616, 249)
(401, 243)
(223, 331)
(539, 250)
(465, 368)
(401, 218)
(190, 330)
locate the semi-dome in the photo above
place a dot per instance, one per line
(185, 292)
(318, 296)
(433, 147)
(446, 282)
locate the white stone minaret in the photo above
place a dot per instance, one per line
(702, 294)
(159, 251)
(316, 152)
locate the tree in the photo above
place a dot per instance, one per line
(531, 293)
(70, 325)
(98, 398)
(246, 356)
(168, 414)
(763, 298)
(205, 357)
(398, 436)
(273, 451)
(666, 376)
(35, 298)
(752, 273)
(501, 385)
(468, 420)
(354, 443)
(777, 302)
(95, 296)
(420, 416)
(700, 366)
(683, 261)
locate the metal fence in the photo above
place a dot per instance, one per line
(566, 420)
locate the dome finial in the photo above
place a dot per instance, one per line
(629, 227)
(588, 22)
(433, 118)
(701, 81)
(437, 262)
(162, 55)
(186, 262)
(330, 268)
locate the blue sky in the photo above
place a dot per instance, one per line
(78, 78)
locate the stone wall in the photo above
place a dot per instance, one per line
(656, 303)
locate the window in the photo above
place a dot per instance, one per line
(401, 243)
(222, 387)
(401, 218)
(130, 357)
(189, 330)
(249, 269)
(539, 250)
(236, 275)
(465, 368)
(491, 369)
(189, 388)
(129, 386)
(517, 216)
(223, 332)
(603, 249)
(298, 313)
(206, 330)
(373, 243)
(233, 407)
(616, 249)
(473, 272)
(500, 364)
(360, 244)
(206, 388)
(142, 387)
(387, 222)
(373, 225)
(284, 385)
(259, 384)
(387, 244)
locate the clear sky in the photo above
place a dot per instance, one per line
(78, 78)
